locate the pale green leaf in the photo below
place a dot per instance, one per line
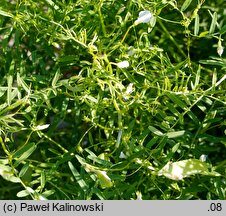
(186, 168)
(196, 29)
(185, 5)
(55, 79)
(5, 13)
(22, 83)
(8, 174)
(213, 23)
(103, 178)
(203, 34)
(23, 193)
(155, 131)
(175, 134)
(9, 90)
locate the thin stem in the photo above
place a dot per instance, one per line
(102, 19)
(124, 37)
(171, 38)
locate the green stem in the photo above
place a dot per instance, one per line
(5, 149)
(102, 20)
(54, 142)
(171, 38)
(124, 37)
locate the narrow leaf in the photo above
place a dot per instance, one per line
(213, 62)
(175, 147)
(214, 78)
(24, 170)
(5, 13)
(55, 79)
(196, 29)
(175, 134)
(193, 117)
(197, 77)
(213, 23)
(186, 5)
(155, 131)
(177, 101)
(203, 34)
(78, 177)
(24, 152)
(152, 142)
(52, 4)
(221, 80)
(223, 30)
(23, 193)
(43, 179)
(9, 90)
(22, 83)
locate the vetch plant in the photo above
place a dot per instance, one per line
(129, 90)
(122, 155)
(220, 48)
(123, 64)
(144, 17)
(90, 109)
(203, 158)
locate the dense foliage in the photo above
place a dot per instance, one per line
(98, 103)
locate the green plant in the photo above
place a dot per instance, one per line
(98, 102)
